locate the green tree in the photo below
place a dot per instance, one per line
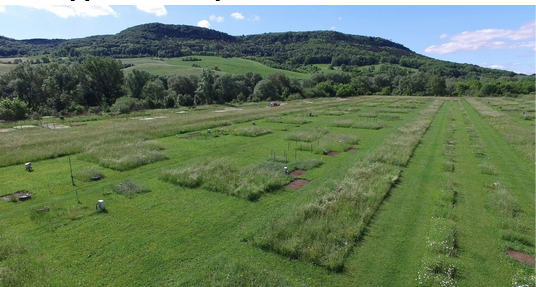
(135, 82)
(265, 90)
(154, 93)
(204, 93)
(102, 81)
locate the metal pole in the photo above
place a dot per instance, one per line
(72, 178)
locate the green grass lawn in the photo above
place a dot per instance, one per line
(174, 66)
(168, 234)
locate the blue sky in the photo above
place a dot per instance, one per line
(491, 36)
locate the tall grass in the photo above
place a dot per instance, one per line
(324, 231)
(521, 139)
(130, 189)
(42, 143)
(220, 175)
(88, 174)
(307, 135)
(252, 131)
(398, 147)
(125, 155)
(287, 120)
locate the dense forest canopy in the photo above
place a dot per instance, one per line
(81, 75)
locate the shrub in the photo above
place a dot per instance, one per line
(126, 105)
(13, 109)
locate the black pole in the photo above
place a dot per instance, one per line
(72, 178)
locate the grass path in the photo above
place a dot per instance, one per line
(481, 250)
(481, 262)
(386, 257)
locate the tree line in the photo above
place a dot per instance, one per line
(98, 84)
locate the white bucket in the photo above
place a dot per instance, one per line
(100, 202)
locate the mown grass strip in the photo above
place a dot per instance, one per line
(325, 230)
(439, 267)
(521, 139)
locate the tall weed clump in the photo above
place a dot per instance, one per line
(325, 230)
(127, 155)
(220, 175)
(130, 189)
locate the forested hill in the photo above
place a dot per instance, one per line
(160, 40)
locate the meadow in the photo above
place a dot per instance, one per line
(176, 66)
(394, 191)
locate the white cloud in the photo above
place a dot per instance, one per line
(218, 19)
(443, 36)
(203, 23)
(491, 66)
(66, 11)
(2, 8)
(333, 28)
(256, 18)
(513, 64)
(237, 16)
(483, 39)
(157, 10)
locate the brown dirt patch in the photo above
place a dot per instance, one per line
(332, 153)
(297, 183)
(520, 256)
(21, 193)
(352, 150)
(193, 135)
(298, 172)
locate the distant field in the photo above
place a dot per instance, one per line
(225, 65)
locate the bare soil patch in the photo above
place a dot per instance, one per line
(19, 195)
(298, 172)
(227, 110)
(193, 135)
(352, 150)
(333, 153)
(25, 127)
(297, 183)
(54, 126)
(520, 256)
